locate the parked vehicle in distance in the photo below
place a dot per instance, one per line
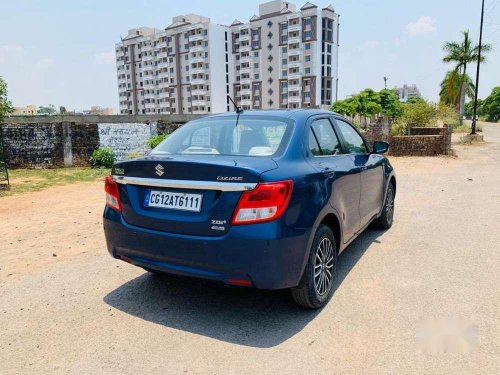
(263, 199)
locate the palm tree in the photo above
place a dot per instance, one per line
(462, 54)
(450, 88)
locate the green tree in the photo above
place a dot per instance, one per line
(391, 106)
(368, 103)
(491, 105)
(469, 108)
(47, 110)
(5, 104)
(346, 107)
(450, 89)
(462, 54)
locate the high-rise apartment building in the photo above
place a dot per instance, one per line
(182, 69)
(282, 58)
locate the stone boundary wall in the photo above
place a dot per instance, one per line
(422, 141)
(58, 141)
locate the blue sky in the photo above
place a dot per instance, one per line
(61, 52)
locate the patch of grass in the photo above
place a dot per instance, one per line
(465, 128)
(26, 180)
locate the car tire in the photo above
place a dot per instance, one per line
(316, 286)
(386, 218)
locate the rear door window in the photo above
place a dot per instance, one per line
(354, 142)
(322, 132)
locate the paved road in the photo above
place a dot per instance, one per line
(421, 298)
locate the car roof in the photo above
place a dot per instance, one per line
(296, 114)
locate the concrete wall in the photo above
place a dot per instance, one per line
(57, 141)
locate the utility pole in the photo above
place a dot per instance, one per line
(473, 128)
(385, 81)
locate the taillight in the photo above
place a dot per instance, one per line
(112, 194)
(266, 202)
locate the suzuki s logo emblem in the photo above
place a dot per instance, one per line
(159, 170)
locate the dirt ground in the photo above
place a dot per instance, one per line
(422, 297)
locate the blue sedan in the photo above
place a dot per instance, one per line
(262, 199)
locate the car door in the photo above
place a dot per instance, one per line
(341, 181)
(371, 167)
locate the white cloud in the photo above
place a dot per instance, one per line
(105, 57)
(9, 51)
(424, 25)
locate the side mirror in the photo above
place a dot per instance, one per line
(380, 147)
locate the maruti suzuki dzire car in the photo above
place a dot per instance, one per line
(262, 199)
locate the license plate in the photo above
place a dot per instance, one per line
(173, 201)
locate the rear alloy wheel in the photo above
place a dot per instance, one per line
(316, 286)
(387, 216)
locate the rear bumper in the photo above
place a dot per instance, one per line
(248, 252)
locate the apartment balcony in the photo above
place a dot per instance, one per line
(122, 80)
(246, 92)
(292, 76)
(164, 104)
(161, 55)
(149, 86)
(161, 45)
(196, 37)
(197, 59)
(245, 70)
(246, 102)
(256, 103)
(245, 59)
(245, 81)
(294, 52)
(147, 58)
(198, 81)
(199, 102)
(199, 112)
(294, 64)
(198, 92)
(146, 48)
(245, 48)
(163, 75)
(244, 38)
(150, 96)
(294, 40)
(197, 70)
(293, 88)
(199, 48)
(292, 28)
(150, 105)
(162, 85)
(293, 99)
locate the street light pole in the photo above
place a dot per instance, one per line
(385, 82)
(473, 128)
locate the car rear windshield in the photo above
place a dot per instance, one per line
(251, 136)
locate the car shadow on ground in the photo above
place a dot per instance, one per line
(242, 316)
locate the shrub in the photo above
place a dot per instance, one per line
(419, 114)
(103, 157)
(448, 115)
(134, 154)
(155, 140)
(399, 128)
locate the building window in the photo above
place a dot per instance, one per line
(308, 71)
(256, 54)
(284, 61)
(308, 46)
(256, 76)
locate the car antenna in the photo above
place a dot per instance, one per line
(237, 109)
